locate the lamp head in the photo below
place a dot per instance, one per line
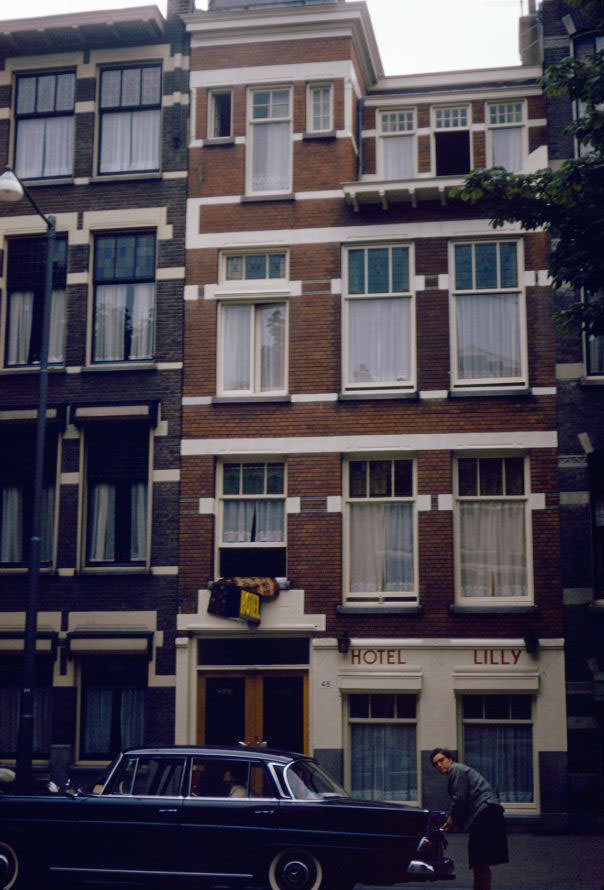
(10, 188)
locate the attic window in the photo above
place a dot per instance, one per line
(452, 141)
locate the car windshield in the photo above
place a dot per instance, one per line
(307, 781)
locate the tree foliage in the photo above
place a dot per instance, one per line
(567, 203)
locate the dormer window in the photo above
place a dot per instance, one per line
(397, 131)
(507, 134)
(452, 141)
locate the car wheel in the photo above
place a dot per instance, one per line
(295, 870)
(9, 866)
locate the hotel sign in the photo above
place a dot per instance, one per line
(395, 656)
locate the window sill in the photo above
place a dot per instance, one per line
(115, 570)
(33, 369)
(500, 609)
(411, 609)
(121, 177)
(591, 381)
(512, 391)
(52, 180)
(284, 583)
(229, 400)
(217, 142)
(376, 394)
(119, 366)
(261, 199)
(326, 135)
(23, 570)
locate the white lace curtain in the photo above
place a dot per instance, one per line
(271, 156)
(44, 147)
(595, 346)
(493, 549)
(261, 521)
(103, 520)
(399, 161)
(236, 348)
(11, 529)
(379, 341)
(504, 756)
(488, 336)
(270, 331)
(384, 761)
(130, 141)
(20, 318)
(113, 316)
(507, 148)
(9, 724)
(381, 548)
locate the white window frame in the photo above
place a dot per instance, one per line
(383, 135)
(410, 384)
(398, 599)
(221, 498)
(46, 116)
(408, 721)
(506, 125)
(494, 601)
(212, 112)
(252, 123)
(311, 87)
(510, 806)
(491, 382)
(255, 359)
(454, 129)
(254, 285)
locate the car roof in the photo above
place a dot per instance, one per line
(243, 752)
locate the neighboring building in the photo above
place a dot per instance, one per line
(369, 413)
(93, 117)
(580, 372)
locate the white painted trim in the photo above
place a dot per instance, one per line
(191, 292)
(544, 390)
(468, 643)
(574, 498)
(283, 237)
(443, 281)
(168, 366)
(197, 400)
(419, 282)
(66, 573)
(166, 475)
(537, 500)
(405, 680)
(336, 285)
(402, 442)
(176, 98)
(326, 195)
(175, 174)
(168, 273)
(207, 506)
(69, 479)
(543, 278)
(445, 501)
(570, 371)
(88, 107)
(315, 397)
(252, 290)
(469, 680)
(429, 394)
(259, 74)
(219, 199)
(334, 503)
(506, 73)
(164, 570)
(77, 278)
(423, 503)
(292, 505)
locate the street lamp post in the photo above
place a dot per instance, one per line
(11, 190)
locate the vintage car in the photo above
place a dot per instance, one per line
(243, 816)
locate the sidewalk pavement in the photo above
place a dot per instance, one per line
(537, 862)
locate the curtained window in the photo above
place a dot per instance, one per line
(488, 314)
(397, 132)
(17, 444)
(113, 704)
(594, 344)
(320, 102)
(124, 305)
(383, 746)
(25, 304)
(498, 742)
(253, 347)
(253, 518)
(220, 124)
(45, 125)
(381, 531)
(492, 523)
(378, 314)
(507, 135)
(130, 107)
(270, 137)
(11, 678)
(117, 486)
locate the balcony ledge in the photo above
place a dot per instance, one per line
(432, 188)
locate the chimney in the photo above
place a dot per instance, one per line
(530, 45)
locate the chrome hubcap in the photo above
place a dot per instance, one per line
(296, 874)
(4, 868)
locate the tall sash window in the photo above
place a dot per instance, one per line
(113, 705)
(130, 108)
(271, 140)
(45, 125)
(507, 135)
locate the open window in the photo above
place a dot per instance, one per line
(452, 141)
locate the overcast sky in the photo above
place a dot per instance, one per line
(413, 35)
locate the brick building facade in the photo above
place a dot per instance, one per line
(369, 413)
(93, 118)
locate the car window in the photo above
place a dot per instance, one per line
(218, 777)
(149, 776)
(307, 781)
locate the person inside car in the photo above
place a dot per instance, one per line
(234, 787)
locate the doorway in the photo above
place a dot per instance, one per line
(253, 707)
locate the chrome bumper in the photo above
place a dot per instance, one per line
(444, 870)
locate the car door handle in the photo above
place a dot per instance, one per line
(264, 812)
(168, 810)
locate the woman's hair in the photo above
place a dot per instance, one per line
(444, 751)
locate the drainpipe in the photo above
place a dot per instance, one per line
(361, 109)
